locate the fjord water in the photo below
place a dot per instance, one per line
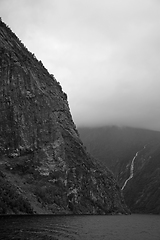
(121, 227)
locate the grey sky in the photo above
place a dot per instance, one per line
(105, 54)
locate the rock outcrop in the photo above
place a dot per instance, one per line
(44, 167)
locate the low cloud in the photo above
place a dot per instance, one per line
(105, 54)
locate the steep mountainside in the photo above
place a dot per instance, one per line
(142, 191)
(44, 167)
(134, 157)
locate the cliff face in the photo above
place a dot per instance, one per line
(44, 167)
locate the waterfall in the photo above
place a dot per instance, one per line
(132, 168)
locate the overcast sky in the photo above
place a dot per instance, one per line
(105, 54)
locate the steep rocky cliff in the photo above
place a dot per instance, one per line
(44, 167)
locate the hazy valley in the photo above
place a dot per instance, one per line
(118, 149)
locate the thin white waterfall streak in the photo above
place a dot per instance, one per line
(132, 168)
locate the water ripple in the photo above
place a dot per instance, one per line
(132, 227)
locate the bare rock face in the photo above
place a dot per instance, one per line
(44, 167)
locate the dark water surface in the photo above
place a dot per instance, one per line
(47, 227)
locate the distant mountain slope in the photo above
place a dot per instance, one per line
(142, 192)
(44, 167)
(116, 148)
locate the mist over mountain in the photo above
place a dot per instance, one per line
(133, 156)
(105, 54)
